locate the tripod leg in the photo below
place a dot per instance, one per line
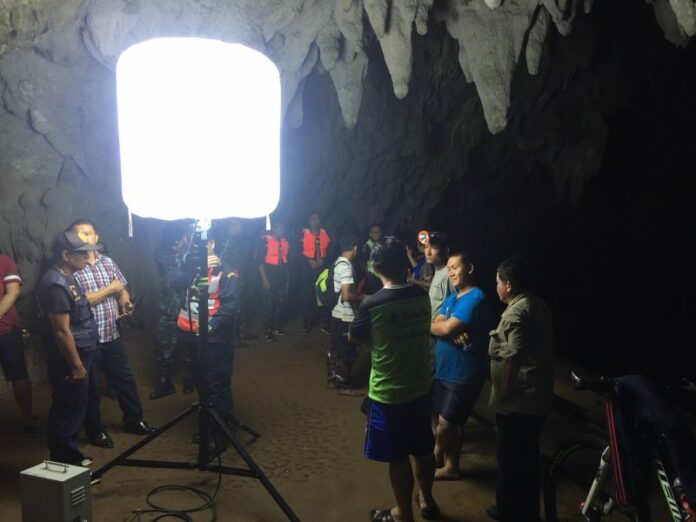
(239, 424)
(253, 466)
(124, 456)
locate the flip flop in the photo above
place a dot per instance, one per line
(381, 515)
(428, 512)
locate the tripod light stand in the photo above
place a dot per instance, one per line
(199, 129)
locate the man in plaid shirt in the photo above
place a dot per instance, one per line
(105, 288)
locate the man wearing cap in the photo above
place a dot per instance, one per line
(71, 337)
(105, 289)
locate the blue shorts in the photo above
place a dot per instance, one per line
(455, 402)
(395, 431)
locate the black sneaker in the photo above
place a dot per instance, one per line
(306, 329)
(326, 330)
(101, 440)
(84, 462)
(278, 331)
(269, 337)
(164, 387)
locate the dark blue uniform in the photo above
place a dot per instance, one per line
(220, 354)
(60, 293)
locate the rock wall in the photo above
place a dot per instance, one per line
(438, 126)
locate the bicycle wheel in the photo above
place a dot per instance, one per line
(574, 466)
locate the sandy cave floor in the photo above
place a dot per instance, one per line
(311, 445)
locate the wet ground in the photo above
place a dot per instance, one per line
(310, 448)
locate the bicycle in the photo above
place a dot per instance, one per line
(582, 483)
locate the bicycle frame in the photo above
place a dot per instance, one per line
(667, 490)
(603, 476)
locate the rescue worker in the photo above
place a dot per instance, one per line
(70, 337)
(223, 298)
(170, 257)
(315, 245)
(273, 270)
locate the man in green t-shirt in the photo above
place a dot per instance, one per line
(396, 322)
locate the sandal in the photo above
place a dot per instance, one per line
(381, 515)
(428, 512)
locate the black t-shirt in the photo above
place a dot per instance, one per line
(56, 301)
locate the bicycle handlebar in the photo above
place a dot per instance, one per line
(600, 386)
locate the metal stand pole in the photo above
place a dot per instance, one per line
(206, 413)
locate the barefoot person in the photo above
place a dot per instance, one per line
(395, 321)
(459, 369)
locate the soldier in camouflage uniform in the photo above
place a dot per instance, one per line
(175, 279)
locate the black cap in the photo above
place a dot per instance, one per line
(72, 242)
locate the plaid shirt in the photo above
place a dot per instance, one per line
(92, 279)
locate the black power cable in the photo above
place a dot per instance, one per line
(183, 514)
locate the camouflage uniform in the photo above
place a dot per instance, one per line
(172, 294)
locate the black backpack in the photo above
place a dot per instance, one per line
(324, 287)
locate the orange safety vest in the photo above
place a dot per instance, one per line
(188, 315)
(276, 251)
(309, 243)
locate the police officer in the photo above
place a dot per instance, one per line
(170, 260)
(70, 336)
(223, 301)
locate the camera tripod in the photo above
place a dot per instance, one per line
(207, 415)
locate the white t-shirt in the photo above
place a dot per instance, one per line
(440, 287)
(343, 275)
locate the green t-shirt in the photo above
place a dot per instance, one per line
(396, 321)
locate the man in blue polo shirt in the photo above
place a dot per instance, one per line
(460, 369)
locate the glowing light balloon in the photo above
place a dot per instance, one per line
(199, 129)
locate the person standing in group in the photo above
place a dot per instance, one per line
(396, 323)
(70, 336)
(372, 282)
(315, 244)
(273, 269)
(460, 370)
(521, 351)
(236, 251)
(12, 346)
(342, 352)
(170, 260)
(223, 296)
(436, 254)
(105, 288)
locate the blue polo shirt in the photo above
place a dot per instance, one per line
(461, 364)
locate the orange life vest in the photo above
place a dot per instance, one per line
(276, 251)
(188, 315)
(310, 242)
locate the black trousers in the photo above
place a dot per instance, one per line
(273, 307)
(68, 405)
(220, 362)
(113, 362)
(517, 489)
